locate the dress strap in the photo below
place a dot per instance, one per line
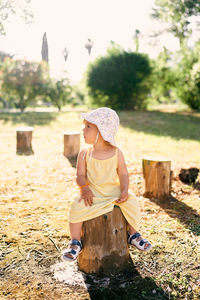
(116, 151)
(116, 156)
(84, 155)
(88, 152)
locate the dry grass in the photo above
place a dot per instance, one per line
(35, 192)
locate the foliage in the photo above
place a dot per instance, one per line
(8, 8)
(78, 94)
(186, 76)
(4, 99)
(23, 82)
(188, 73)
(22, 79)
(163, 77)
(119, 79)
(57, 91)
(4, 55)
(177, 13)
(114, 48)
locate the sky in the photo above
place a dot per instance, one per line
(69, 23)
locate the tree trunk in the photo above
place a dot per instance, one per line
(157, 176)
(105, 249)
(24, 140)
(71, 143)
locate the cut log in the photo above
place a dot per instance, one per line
(157, 177)
(71, 143)
(24, 140)
(105, 249)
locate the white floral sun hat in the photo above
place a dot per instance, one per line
(106, 120)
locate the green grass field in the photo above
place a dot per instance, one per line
(35, 192)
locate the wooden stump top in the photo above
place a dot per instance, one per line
(71, 132)
(156, 158)
(25, 129)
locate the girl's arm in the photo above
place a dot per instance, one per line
(81, 179)
(123, 177)
(81, 169)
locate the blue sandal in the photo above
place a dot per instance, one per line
(139, 244)
(73, 249)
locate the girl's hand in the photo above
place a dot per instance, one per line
(87, 196)
(123, 197)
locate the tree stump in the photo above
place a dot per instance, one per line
(189, 176)
(24, 140)
(105, 249)
(71, 143)
(157, 176)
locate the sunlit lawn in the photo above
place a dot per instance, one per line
(35, 192)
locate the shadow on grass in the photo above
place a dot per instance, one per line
(181, 211)
(128, 285)
(73, 161)
(29, 118)
(175, 125)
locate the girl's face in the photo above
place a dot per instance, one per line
(90, 132)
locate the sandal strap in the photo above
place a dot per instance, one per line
(72, 251)
(143, 242)
(134, 236)
(75, 243)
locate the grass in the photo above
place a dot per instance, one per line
(35, 192)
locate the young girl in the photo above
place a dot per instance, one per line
(103, 181)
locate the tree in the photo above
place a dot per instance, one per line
(163, 77)
(45, 50)
(88, 45)
(136, 39)
(4, 99)
(4, 55)
(65, 53)
(177, 14)
(22, 79)
(188, 74)
(8, 8)
(119, 79)
(58, 91)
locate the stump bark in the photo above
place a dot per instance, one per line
(157, 177)
(105, 249)
(24, 140)
(71, 144)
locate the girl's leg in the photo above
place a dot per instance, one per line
(131, 212)
(75, 246)
(131, 229)
(75, 230)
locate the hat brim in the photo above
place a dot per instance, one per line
(86, 116)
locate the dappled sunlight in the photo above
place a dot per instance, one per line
(57, 60)
(35, 196)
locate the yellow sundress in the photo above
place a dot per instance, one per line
(104, 183)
